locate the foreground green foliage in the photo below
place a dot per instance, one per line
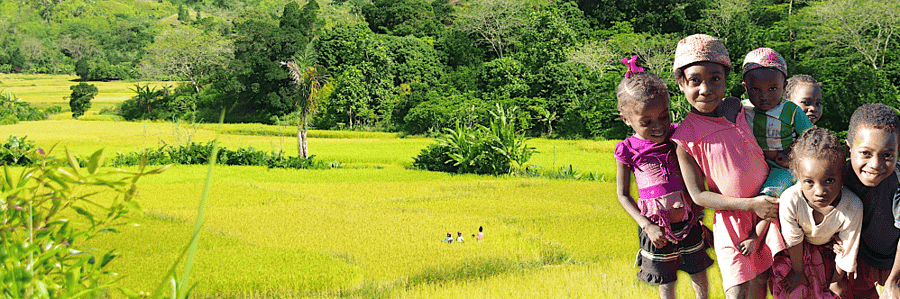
(48, 213)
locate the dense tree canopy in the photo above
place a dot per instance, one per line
(418, 66)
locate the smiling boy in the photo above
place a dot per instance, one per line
(872, 174)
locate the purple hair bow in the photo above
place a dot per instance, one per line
(632, 66)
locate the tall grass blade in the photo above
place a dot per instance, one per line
(181, 289)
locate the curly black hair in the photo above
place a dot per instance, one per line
(873, 115)
(797, 80)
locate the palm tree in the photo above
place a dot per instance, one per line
(314, 86)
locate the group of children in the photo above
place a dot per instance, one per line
(792, 215)
(460, 239)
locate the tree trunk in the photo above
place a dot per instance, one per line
(301, 138)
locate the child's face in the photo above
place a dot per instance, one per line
(765, 86)
(703, 85)
(873, 154)
(809, 98)
(652, 121)
(820, 180)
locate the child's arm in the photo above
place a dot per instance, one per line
(763, 206)
(892, 285)
(623, 190)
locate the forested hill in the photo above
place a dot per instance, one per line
(418, 66)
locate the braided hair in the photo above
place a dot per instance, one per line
(817, 143)
(638, 90)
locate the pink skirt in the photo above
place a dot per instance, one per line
(730, 228)
(819, 266)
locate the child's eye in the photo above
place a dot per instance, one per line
(715, 79)
(829, 181)
(772, 88)
(808, 182)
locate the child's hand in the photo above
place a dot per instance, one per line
(792, 281)
(656, 235)
(838, 247)
(765, 207)
(839, 287)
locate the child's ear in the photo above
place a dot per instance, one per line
(679, 82)
(744, 84)
(625, 120)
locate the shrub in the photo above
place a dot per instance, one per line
(12, 110)
(497, 149)
(80, 99)
(199, 153)
(42, 255)
(17, 151)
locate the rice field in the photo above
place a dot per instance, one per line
(372, 229)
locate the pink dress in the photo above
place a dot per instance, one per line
(733, 165)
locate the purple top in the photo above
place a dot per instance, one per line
(655, 165)
(658, 178)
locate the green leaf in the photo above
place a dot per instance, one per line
(108, 257)
(73, 162)
(96, 162)
(86, 214)
(127, 292)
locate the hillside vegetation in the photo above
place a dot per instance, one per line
(418, 66)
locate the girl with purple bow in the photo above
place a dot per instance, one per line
(671, 234)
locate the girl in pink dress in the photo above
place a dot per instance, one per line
(671, 235)
(716, 148)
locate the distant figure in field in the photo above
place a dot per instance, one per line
(449, 238)
(459, 237)
(480, 233)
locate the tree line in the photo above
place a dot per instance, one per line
(418, 66)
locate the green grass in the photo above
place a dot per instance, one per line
(372, 229)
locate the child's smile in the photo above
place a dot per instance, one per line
(652, 121)
(873, 154)
(703, 86)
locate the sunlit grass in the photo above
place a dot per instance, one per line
(48, 90)
(371, 229)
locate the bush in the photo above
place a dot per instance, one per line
(165, 103)
(12, 111)
(199, 153)
(497, 149)
(17, 151)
